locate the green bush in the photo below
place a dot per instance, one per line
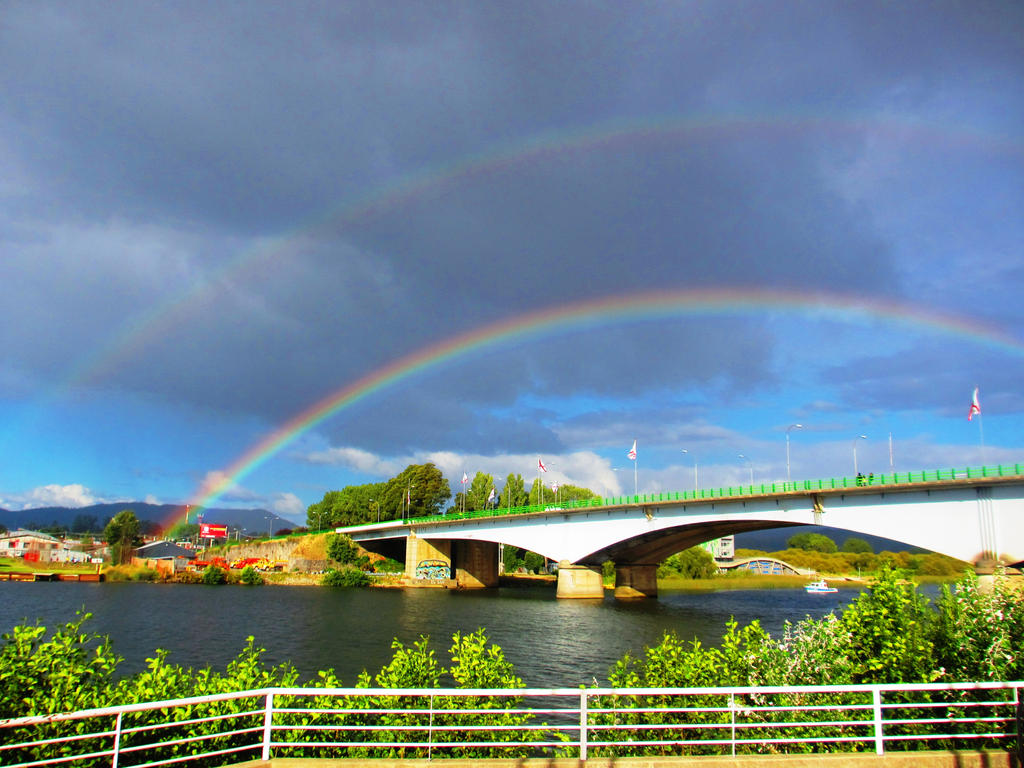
(214, 575)
(345, 577)
(251, 576)
(388, 565)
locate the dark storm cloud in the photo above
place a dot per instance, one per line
(181, 135)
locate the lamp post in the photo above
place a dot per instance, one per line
(750, 465)
(694, 470)
(858, 437)
(791, 426)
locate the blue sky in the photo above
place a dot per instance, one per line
(213, 215)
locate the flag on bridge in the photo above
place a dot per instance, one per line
(540, 465)
(632, 452)
(975, 406)
(491, 496)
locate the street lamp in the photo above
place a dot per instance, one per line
(750, 465)
(791, 426)
(694, 471)
(858, 437)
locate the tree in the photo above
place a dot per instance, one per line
(692, 563)
(514, 492)
(352, 505)
(814, 542)
(183, 530)
(857, 546)
(427, 490)
(85, 523)
(122, 534)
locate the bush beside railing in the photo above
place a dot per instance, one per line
(763, 489)
(424, 723)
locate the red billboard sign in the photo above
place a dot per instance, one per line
(211, 531)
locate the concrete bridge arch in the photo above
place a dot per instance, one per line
(979, 521)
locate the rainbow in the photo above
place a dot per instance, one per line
(144, 329)
(592, 313)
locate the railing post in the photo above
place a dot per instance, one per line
(117, 740)
(430, 728)
(876, 700)
(732, 720)
(583, 725)
(1020, 726)
(268, 720)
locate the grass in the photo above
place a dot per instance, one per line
(18, 565)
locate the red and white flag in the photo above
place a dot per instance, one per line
(632, 452)
(975, 406)
(465, 478)
(540, 465)
(554, 486)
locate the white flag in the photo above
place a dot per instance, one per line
(490, 496)
(632, 452)
(465, 478)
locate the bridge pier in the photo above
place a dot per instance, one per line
(455, 562)
(579, 581)
(636, 581)
(476, 563)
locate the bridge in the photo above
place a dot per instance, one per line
(974, 514)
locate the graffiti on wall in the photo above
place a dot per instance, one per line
(436, 570)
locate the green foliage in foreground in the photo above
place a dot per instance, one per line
(887, 634)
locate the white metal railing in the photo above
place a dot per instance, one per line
(572, 722)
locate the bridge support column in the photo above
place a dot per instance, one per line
(476, 563)
(425, 559)
(579, 581)
(636, 581)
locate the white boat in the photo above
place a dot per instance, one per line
(819, 586)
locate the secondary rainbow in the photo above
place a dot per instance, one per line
(593, 313)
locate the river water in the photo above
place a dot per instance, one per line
(553, 643)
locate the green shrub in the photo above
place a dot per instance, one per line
(345, 577)
(214, 575)
(388, 565)
(251, 576)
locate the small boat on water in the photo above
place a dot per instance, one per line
(819, 586)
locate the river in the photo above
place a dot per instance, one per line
(553, 643)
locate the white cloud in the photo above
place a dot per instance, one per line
(288, 505)
(357, 459)
(73, 495)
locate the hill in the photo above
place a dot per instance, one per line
(93, 518)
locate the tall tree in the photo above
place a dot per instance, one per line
(122, 534)
(479, 490)
(426, 487)
(514, 493)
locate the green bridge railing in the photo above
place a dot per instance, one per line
(764, 489)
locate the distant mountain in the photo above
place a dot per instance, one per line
(774, 539)
(252, 522)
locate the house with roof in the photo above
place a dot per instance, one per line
(164, 556)
(32, 546)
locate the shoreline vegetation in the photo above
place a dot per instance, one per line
(890, 633)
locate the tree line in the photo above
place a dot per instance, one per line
(421, 489)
